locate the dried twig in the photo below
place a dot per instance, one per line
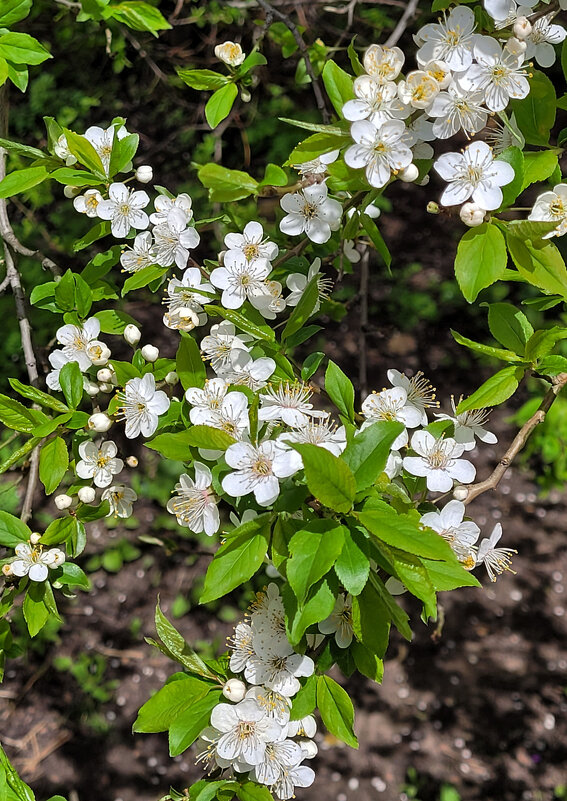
(403, 22)
(319, 97)
(519, 441)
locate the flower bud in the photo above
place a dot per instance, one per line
(87, 494)
(35, 538)
(234, 690)
(460, 493)
(409, 174)
(63, 502)
(372, 211)
(132, 334)
(106, 388)
(522, 28)
(132, 461)
(71, 191)
(433, 207)
(172, 378)
(472, 214)
(98, 353)
(105, 375)
(91, 389)
(7, 570)
(245, 96)
(150, 353)
(144, 174)
(99, 422)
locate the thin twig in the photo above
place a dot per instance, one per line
(519, 441)
(319, 97)
(403, 22)
(362, 324)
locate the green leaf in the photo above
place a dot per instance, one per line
(66, 175)
(486, 350)
(311, 365)
(12, 530)
(177, 648)
(338, 85)
(397, 615)
(540, 265)
(71, 382)
(72, 575)
(187, 726)
(538, 166)
(411, 572)
(16, 416)
(226, 185)
(22, 180)
(509, 326)
(22, 150)
(202, 79)
(123, 151)
(328, 477)
(494, 391)
(21, 48)
(113, 321)
(209, 437)
(314, 550)
(53, 464)
(220, 103)
(336, 709)
(340, 390)
(314, 146)
(313, 126)
(355, 62)
(404, 532)
(189, 364)
(535, 114)
(481, 259)
(352, 566)
(142, 278)
(274, 176)
(552, 365)
(36, 614)
(448, 577)
(19, 75)
(304, 309)
(172, 446)
(37, 396)
(262, 332)
(318, 606)
(367, 663)
(514, 157)
(377, 240)
(169, 703)
(305, 700)
(371, 620)
(235, 562)
(97, 232)
(13, 11)
(140, 16)
(84, 152)
(368, 451)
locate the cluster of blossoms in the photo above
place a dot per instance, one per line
(254, 734)
(33, 561)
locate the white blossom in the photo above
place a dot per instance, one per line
(33, 561)
(251, 244)
(140, 255)
(195, 504)
(375, 101)
(392, 404)
(242, 280)
(418, 90)
(317, 166)
(311, 212)
(99, 463)
(103, 139)
(274, 704)
(181, 206)
(222, 345)
(173, 240)
(458, 110)
(297, 282)
(420, 391)
(473, 173)
(246, 730)
(88, 203)
(438, 461)
(383, 63)
(323, 433)
(249, 372)
(279, 757)
(495, 560)
(57, 359)
(141, 406)
(339, 621)
(187, 293)
(498, 73)
(541, 40)
(242, 647)
(288, 403)
(290, 778)
(460, 534)
(61, 149)
(450, 40)
(379, 151)
(552, 207)
(76, 340)
(120, 499)
(277, 671)
(258, 470)
(124, 209)
(469, 426)
(230, 53)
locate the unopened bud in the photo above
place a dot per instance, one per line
(71, 191)
(234, 690)
(472, 214)
(63, 502)
(105, 375)
(245, 96)
(150, 353)
(433, 207)
(172, 378)
(372, 211)
(87, 494)
(132, 334)
(132, 461)
(144, 174)
(91, 389)
(98, 353)
(409, 174)
(460, 493)
(7, 570)
(99, 422)
(516, 46)
(522, 28)
(35, 538)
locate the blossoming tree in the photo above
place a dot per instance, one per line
(345, 501)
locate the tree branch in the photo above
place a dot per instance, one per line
(319, 97)
(518, 442)
(398, 31)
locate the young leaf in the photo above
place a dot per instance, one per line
(234, 563)
(36, 613)
(340, 390)
(305, 700)
(540, 264)
(404, 532)
(319, 605)
(22, 180)
(368, 452)
(314, 550)
(328, 477)
(338, 85)
(37, 396)
(226, 185)
(481, 259)
(494, 391)
(509, 326)
(336, 710)
(187, 726)
(177, 648)
(53, 464)
(371, 620)
(486, 350)
(71, 382)
(353, 565)
(202, 79)
(304, 309)
(535, 114)
(12, 530)
(189, 364)
(169, 703)
(209, 437)
(220, 103)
